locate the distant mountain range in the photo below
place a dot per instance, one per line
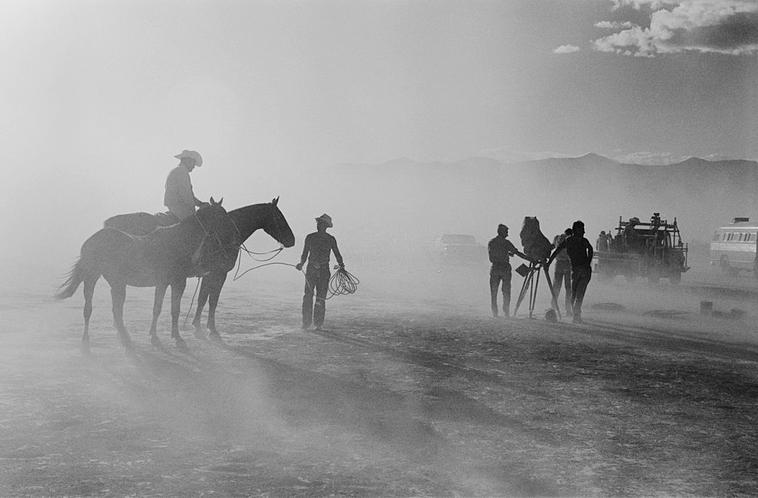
(471, 195)
(588, 162)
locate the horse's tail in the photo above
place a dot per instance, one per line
(75, 277)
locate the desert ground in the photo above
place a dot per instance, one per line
(411, 389)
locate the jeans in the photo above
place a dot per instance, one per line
(563, 275)
(498, 275)
(580, 277)
(317, 279)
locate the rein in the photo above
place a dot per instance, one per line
(274, 252)
(222, 247)
(238, 275)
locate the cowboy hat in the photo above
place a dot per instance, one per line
(325, 219)
(192, 154)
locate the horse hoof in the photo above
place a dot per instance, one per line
(214, 336)
(85, 348)
(155, 341)
(199, 334)
(181, 345)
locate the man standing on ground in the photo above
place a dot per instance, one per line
(179, 198)
(562, 271)
(602, 242)
(500, 250)
(580, 254)
(318, 246)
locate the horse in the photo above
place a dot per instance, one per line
(164, 257)
(247, 220)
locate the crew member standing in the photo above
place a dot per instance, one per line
(500, 250)
(562, 272)
(602, 242)
(179, 198)
(580, 254)
(317, 249)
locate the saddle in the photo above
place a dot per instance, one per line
(140, 223)
(165, 219)
(209, 256)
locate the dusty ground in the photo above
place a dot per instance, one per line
(412, 390)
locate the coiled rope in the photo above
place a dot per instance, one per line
(342, 283)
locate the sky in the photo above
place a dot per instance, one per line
(97, 96)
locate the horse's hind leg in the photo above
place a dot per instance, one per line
(202, 297)
(160, 293)
(212, 304)
(177, 289)
(89, 291)
(118, 295)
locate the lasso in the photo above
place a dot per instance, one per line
(341, 283)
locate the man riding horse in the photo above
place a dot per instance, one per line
(165, 257)
(214, 260)
(246, 220)
(179, 198)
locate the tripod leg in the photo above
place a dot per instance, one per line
(552, 293)
(524, 286)
(533, 295)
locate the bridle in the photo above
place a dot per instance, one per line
(226, 249)
(274, 252)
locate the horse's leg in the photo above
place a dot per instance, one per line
(160, 292)
(118, 295)
(89, 292)
(177, 289)
(202, 297)
(218, 283)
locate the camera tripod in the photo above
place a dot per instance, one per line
(530, 285)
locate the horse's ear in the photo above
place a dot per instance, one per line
(220, 201)
(275, 201)
(213, 203)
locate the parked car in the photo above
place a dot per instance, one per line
(458, 248)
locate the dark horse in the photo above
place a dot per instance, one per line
(205, 242)
(247, 219)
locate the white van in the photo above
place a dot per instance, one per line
(733, 247)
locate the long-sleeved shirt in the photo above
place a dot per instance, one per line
(179, 198)
(317, 249)
(500, 250)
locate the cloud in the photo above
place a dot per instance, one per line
(639, 4)
(566, 49)
(716, 26)
(613, 25)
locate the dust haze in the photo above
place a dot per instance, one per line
(394, 118)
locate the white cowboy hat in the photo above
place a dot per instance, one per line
(326, 219)
(192, 154)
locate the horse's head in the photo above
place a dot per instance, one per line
(221, 237)
(277, 227)
(217, 224)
